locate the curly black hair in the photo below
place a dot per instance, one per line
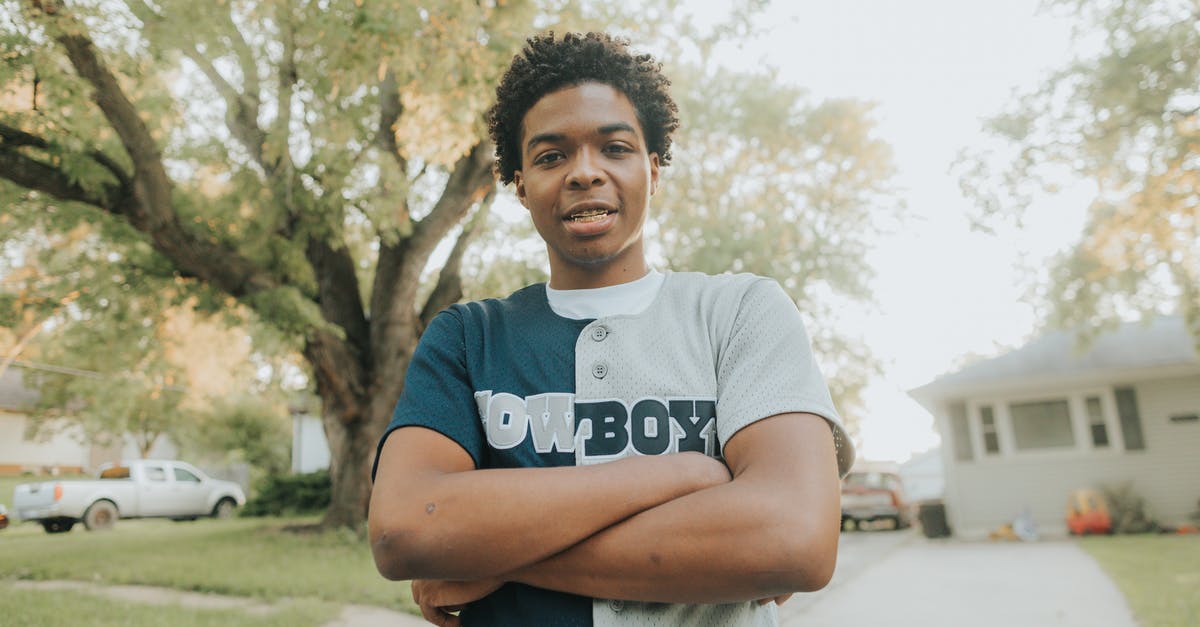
(547, 65)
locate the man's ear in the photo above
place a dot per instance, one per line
(653, 173)
(519, 182)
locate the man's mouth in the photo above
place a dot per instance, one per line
(589, 215)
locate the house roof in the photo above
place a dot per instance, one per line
(14, 395)
(1160, 342)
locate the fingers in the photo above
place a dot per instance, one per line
(441, 616)
(431, 614)
(779, 600)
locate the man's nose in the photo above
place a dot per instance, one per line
(585, 170)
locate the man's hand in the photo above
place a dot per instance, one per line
(440, 601)
(779, 600)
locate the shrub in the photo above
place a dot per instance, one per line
(1128, 510)
(287, 494)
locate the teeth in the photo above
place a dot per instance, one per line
(589, 216)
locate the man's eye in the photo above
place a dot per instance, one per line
(618, 148)
(548, 157)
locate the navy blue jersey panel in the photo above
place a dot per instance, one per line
(519, 605)
(498, 377)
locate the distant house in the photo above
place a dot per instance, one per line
(63, 450)
(924, 476)
(1023, 430)
(310, 449)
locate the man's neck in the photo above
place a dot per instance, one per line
(565, 276)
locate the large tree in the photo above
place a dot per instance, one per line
(301, 159)
(1125, 119)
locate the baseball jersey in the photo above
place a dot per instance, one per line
(517, 385)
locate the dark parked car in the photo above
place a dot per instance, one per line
(870, 496)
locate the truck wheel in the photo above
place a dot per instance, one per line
(101, 516)
(224, 508)
(58, 525)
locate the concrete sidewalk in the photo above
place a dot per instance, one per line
(928, 583)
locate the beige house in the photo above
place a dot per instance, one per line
(1023, 430)
(65, 450)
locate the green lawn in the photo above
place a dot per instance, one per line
(1159, 575)
(242, 557)
(39, 607)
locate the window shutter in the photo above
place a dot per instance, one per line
(959, 431)
(1131, 421)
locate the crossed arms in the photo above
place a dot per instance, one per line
(680, 528)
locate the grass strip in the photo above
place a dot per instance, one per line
(1158, 574)
(241, 557)
(34, 608)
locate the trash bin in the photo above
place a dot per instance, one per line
(932, 515)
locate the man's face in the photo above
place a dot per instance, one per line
(586, 178)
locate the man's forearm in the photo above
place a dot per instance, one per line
(469, 524)
(755, 537)
(723, 544)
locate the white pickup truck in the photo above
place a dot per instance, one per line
(142, 488)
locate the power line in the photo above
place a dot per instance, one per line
(77, 372)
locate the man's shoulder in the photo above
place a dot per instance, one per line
(523, 301)
(718, 287)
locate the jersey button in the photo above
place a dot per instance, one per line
(599, 370)
(617, 605)
(599, 333)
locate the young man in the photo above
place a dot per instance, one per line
(556, 457)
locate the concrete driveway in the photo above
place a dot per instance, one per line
(901, 578)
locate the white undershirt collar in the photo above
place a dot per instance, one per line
(613, 300)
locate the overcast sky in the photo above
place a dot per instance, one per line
(935, 68)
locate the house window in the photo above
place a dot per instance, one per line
(991, 439)
(1131, 421)
(1096, 424)
(958, 429)
(1040, 425)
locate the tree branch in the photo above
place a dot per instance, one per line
(283, 168)
(153, 187)
(340, 377)
(449, 286)
(36, 175)
(338, 292)
(399, 269)
(150, 207)
(241, 109)
(469, 182)
(287, 84)
(16, 137)
(250, 83)
(390, 109)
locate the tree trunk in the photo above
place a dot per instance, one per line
(351, 453)
(352, 444)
